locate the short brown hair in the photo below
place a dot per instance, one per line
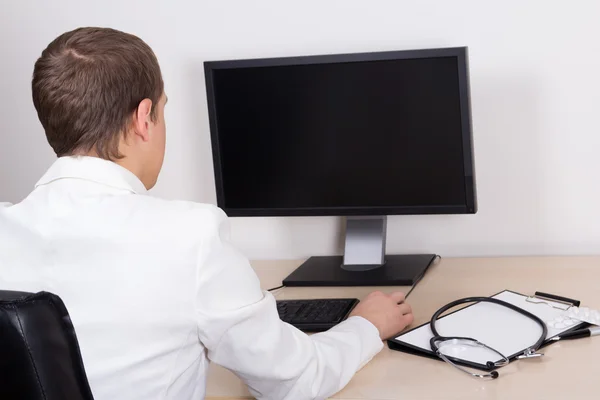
(86, 86)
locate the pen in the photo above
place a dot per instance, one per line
(593, 331)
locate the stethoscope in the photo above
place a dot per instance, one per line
(437, 341)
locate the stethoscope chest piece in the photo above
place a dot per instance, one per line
(530, 353)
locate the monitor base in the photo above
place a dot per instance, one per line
(398, 270)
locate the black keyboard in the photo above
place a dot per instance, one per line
(315, 315)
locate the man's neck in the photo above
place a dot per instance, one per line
(126, 162)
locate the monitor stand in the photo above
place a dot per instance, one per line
(364, 262)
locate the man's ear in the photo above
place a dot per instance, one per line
(141, 119)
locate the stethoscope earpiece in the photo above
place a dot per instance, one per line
(493, 374)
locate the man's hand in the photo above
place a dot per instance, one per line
(388, 313)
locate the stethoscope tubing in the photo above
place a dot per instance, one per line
(437, 337)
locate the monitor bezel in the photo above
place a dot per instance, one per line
(461, 53)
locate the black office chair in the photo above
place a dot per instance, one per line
(39, 352)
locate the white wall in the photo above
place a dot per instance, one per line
(535, 79)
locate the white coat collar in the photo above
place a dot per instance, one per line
(93, 169)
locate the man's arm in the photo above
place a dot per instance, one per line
(241, 329)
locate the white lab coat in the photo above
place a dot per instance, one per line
(155, 292)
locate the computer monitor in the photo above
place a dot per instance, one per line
(357, 135)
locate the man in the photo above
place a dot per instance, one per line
(153, 287)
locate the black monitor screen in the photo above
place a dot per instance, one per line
(362, 137)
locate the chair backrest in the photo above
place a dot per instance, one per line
(39, 352)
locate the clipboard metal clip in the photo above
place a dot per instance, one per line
(559, 304)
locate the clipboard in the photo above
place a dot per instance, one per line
(499, 327)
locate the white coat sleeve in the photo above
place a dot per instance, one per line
(241, 330)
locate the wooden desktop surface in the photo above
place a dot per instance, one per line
(569, 369)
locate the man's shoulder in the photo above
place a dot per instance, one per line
(180, 212)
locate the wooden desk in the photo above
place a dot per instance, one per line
(568, 370)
